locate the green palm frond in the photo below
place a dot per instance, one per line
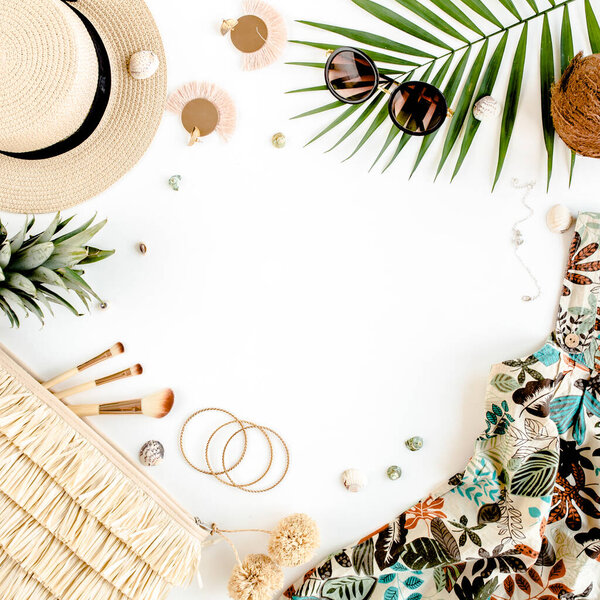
(460, 48)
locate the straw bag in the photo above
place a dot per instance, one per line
(79, 520)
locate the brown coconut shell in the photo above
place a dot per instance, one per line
(576, 105)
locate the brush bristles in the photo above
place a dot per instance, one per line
(208, 91)
(118, 348)
(158, 405)
(136, 369)
(276, 38)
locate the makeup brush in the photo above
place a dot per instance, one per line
(118, 348)
(131, 372)
(156, 405)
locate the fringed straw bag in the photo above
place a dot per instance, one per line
(78, 519)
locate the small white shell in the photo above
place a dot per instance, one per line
(354, 480)
(486, 108)
(152, 453)
(143, 64)
(559, 218)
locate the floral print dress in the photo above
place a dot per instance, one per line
(522, 522)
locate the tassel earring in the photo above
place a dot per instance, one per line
(260, 34)
(204, 108)
(292, 543)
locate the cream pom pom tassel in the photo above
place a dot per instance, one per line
(294, 540)
(292, 543)
(257, 578)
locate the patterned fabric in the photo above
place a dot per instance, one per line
(522, 522)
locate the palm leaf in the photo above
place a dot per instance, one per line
(381, 117)
(320, 109)
(437, 80)
(592, 27)
(392, 135)
(547, 75)
(468, 85)
(511, 103)
(483, 11)
(395, 20)
(449, 93)
(379, 57)
(315, 88)
(464, 103)
(321, 67)
(428, 15)
(361, 119)
(485, 89)
(349, 111)
(370, 39)
(567, 52)
(509, 5)
(450, 8)
(533, 6)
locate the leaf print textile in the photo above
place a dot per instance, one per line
(522, 520)
(426, 510)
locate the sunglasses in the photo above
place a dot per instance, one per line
(415, 107)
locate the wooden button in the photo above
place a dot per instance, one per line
(572, 340)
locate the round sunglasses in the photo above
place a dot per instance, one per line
(415, 107)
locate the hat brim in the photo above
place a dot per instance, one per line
(126, 130)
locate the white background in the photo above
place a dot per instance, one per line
(346, 310)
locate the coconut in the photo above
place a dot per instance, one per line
(576, 105)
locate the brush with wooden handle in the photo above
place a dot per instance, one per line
(118, 348)
(131, 372)
(156, 405)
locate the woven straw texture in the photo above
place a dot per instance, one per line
(73, 524)
(48, 74)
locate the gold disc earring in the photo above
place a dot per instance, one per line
(260, 35)
(204, 108)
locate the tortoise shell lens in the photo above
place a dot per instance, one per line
(351, 76)
(418, 107)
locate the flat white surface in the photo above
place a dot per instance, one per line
(346, 310)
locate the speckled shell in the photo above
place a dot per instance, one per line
(559, 218)
(486, 108)
(143, 64)
(354, 480)
(152, 453)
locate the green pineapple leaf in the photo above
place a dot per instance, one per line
(65, 256)
(32, 257)
(5, 254)
(95, 255)
(47, 276)
(30, 263)
(16, 281)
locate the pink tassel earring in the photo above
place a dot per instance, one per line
(260, 34)
(204, 108)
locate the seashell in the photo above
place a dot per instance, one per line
(414, 444)
(559, 218)
(486, 108)
(143, 64)
(152, 453)
(394, 472)
(175, 182)
(354, 480)
(278, 140)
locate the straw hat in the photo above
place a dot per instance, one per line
(72, 118)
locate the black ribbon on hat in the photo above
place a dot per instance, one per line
(97, 109)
